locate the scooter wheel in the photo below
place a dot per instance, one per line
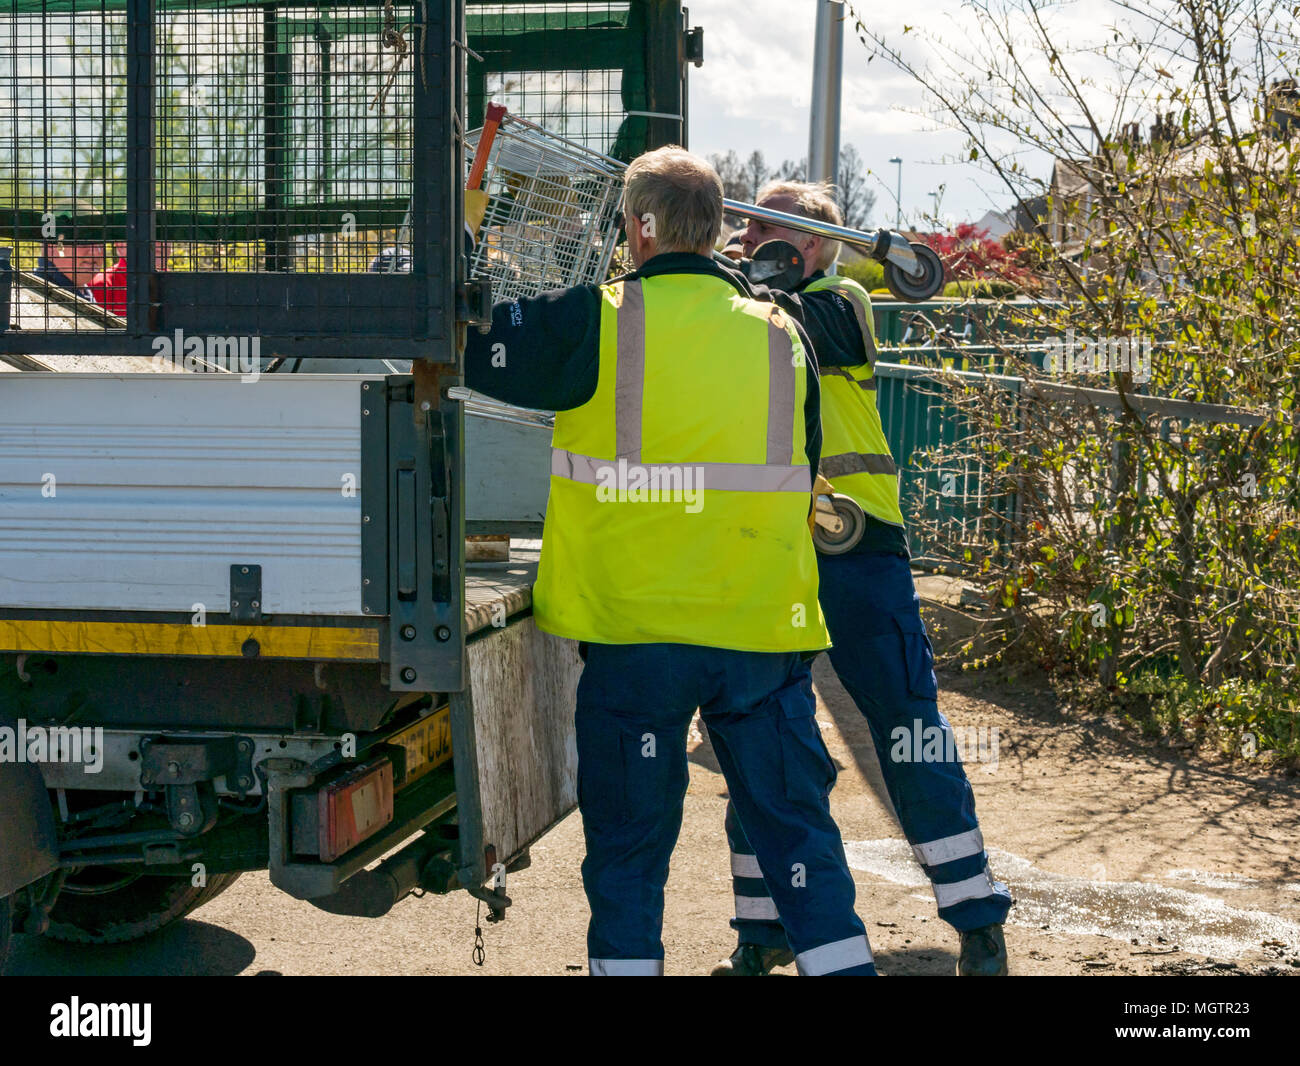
(854, 525)
(926, 283)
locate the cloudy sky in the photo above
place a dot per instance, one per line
(754, 87)
(753, 90)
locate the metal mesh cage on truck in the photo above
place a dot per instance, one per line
(230, 169)
(248, 169)
(610, 74)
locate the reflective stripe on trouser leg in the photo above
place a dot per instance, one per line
(756, 921)
(779, 775)
(834, 958)
(950, 894)
(884, 661)
(626, 967)
(752, 899)
(946, 849)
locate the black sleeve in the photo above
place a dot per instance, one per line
(830, 323)
(812, 417)
(542, 351)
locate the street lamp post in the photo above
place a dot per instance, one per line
(934, 196)
(898, 196)
(824, 115)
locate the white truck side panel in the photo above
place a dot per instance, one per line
(139, 491)
(507, 471)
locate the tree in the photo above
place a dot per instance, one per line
(789, 170)
(856, 200)
(1155, 553)
(735, 184)
(968, 252)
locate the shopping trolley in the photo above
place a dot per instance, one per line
(552, 214)
(552, 221)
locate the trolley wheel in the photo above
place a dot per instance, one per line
(924, 284)
(853, 524)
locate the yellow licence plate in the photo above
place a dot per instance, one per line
(427, 743)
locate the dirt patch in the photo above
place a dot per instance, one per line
(1126, 858)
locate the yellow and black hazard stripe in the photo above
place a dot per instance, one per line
(125, 637)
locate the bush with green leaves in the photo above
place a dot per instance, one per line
(1140, 473)
(866, 272)
(984, 289)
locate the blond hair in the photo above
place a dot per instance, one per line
(679, 196)
(812, 199)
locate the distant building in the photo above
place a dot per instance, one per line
(998, 223)
(1069, 222)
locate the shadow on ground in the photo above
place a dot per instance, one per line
(188, 948)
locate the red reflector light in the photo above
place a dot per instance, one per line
(355, 807)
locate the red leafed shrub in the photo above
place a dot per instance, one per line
(969, 253)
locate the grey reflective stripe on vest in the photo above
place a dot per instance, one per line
(779, 474)
(629, 384)
(840, 372)
(780, 391)
(727, 477)
(833, 466)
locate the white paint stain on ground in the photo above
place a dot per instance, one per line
(1125, 910)
(1212, 880)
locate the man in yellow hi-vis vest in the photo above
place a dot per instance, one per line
(881, 651)
(677, 551)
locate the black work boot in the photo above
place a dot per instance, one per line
(983, 953)
(751, 960)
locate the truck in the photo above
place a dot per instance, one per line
(238, 627)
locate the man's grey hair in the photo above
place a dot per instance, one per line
(812, 199)
(677, 197)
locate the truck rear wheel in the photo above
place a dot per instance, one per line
(106, 905)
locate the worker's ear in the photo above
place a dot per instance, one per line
(639, 241)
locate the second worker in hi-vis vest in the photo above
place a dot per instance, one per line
(881, 652)
(677, 551)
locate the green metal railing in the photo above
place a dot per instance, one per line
(961, 503)
(953, 500)
(969, 321)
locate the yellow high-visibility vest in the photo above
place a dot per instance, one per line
(680, 491)
(855, 455)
